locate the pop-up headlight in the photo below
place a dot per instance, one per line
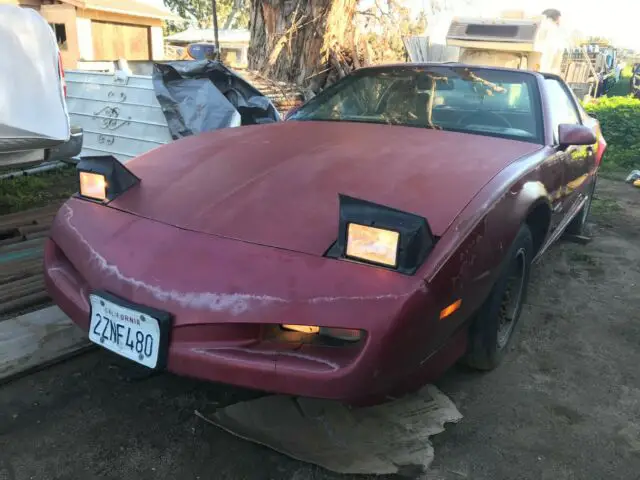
(103, 178)
(381, 235)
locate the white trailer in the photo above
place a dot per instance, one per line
(528, 44)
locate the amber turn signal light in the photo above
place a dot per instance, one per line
(451, 309)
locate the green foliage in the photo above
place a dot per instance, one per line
(622, 87)
(38, 190)
(620, 121)
(200, 12)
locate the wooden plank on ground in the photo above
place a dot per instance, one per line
(18, 294)
(37, 228)
(17, 270)
(36, 339)
(10, 261)
(24, 301)
(23, 245)
(11, 238)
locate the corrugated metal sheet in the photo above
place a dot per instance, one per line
(420, 49)
(120, 114)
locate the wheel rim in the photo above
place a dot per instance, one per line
(512, 299)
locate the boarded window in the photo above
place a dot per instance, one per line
(113, 41)
(60, 31)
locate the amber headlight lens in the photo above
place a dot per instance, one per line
(381, 235)
(372, 244)
(93, 185)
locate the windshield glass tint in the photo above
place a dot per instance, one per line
(481, 101)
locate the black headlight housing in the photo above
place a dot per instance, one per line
(415, 237)
(117, 178)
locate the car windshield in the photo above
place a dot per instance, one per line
(481, 101)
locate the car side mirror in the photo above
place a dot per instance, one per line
(570, 134)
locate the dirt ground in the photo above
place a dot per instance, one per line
(564, 405)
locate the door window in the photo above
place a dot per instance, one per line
(563, 108)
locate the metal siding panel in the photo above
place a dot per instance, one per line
(132, 81)
(127, 146)
(123, 111)
(120, 115)
(95, 152)
(108, 93)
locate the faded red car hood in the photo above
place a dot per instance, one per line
(278, 185)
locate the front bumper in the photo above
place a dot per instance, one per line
(218, 334)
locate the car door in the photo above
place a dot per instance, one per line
(577, 160)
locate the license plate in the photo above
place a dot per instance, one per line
(127, 331)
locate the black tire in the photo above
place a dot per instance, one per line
(579, 222)
(495, 322)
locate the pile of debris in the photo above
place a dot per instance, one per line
(283, 95)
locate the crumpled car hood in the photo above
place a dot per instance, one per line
(278, 184)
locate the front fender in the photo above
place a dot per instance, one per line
(515, 207)
(465, 262)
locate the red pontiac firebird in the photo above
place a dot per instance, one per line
(381, 233)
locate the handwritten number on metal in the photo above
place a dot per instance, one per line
(106, 139)
(111, 118)
(121, 97)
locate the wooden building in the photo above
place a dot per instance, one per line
(103, 30)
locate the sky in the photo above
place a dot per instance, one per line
(615, 19)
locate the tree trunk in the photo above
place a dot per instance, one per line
(214, 10)
(300, 40)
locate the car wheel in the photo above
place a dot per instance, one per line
(495, 322)
(579, 222)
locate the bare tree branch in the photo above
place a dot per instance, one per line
(237, 6)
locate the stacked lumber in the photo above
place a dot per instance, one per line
(22, 237)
